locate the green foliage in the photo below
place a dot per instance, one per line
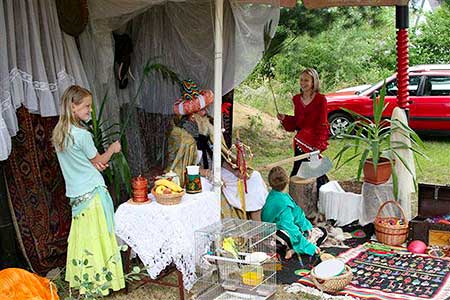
(431, 43)
(300, 20)
(371, 139)
(356, 47)
(94, 285)
(342, 57)
(118, 174)
(255, 124)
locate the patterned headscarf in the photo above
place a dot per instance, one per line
(189, 89)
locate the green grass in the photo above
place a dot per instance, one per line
(268, 148)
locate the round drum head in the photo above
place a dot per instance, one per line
(329, 268)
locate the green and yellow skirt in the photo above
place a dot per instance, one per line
(93, 254)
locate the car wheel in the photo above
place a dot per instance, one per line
(339, 121)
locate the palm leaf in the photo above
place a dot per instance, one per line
(372, 140)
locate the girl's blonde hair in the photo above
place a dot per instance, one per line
(315, 76)
(72, 95)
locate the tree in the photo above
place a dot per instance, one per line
(431, 44)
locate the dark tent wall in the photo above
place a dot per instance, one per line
(9, 251)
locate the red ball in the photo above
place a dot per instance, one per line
(417, 246)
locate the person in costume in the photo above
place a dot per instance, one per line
(243, 187)
(91, 234)
(309, 120)
(190, 143)
(295, 233)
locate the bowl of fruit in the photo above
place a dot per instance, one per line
(167, 192)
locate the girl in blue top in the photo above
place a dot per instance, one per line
(91, 234)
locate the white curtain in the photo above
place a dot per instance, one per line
(37, 63)
(178, 34)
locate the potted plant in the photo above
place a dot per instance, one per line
(370, 140)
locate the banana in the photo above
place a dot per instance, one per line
(159, 189)
(169, 184)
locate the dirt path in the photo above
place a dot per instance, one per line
(243, 115)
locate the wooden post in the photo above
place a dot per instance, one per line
(304, 192)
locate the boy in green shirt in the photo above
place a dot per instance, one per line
(294, 231)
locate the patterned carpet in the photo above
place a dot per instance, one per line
(36, 188)
(399, 276)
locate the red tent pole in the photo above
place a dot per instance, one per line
(402, 24)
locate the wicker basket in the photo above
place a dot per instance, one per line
(168, 199)
(391, 234)
(334, 284)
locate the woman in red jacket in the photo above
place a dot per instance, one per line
(309, 120)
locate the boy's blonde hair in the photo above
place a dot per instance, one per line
(278, 178)
(315, 76)
(72, 95)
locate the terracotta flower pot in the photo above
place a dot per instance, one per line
(140, 189)
(384, 171)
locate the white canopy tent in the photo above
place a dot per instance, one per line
(215, 43)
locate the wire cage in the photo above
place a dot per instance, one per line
(236, 259)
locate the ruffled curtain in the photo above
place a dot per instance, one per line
(37, 63)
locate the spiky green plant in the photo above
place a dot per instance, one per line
(371, 139)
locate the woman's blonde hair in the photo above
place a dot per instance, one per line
(72, 95)
(315, 76)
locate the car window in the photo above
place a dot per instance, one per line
(392, 89)
(437, 86)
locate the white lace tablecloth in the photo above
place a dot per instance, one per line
(162, 234)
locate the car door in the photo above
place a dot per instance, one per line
(430, 111)
(392, 90)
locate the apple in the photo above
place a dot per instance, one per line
(167, 191)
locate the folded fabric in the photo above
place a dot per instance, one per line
(19, 284)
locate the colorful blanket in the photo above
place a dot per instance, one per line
(401, 276)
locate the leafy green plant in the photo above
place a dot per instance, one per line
(255, 123)
(118, 175)
(95, 286)
(371, 139)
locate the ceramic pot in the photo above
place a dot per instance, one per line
(384, 171)
(140, 189)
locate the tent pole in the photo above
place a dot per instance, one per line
(218, 51)
(402, 24)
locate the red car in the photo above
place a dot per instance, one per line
(429, 95)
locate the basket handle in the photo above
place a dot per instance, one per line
(396, 204)
(315, 281)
